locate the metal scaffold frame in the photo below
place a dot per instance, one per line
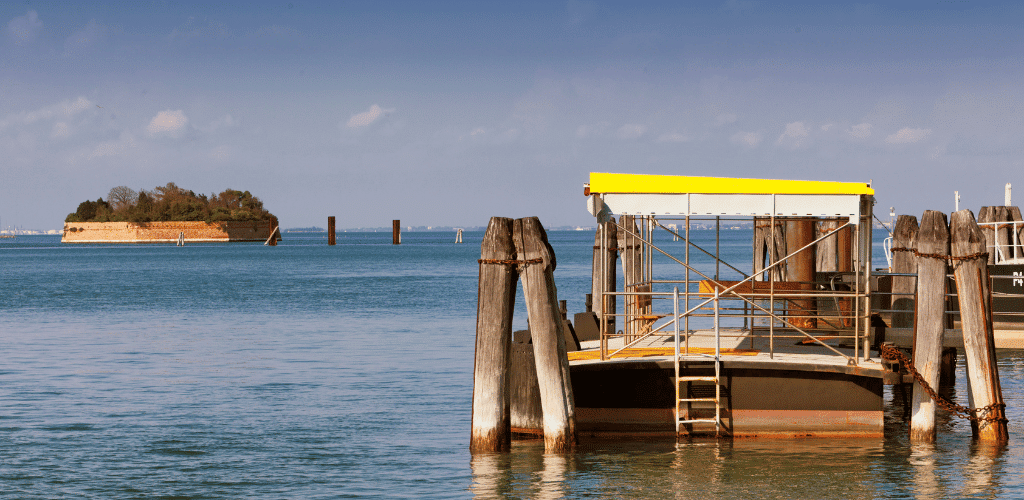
(661, 204)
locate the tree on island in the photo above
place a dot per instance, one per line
(170, 203)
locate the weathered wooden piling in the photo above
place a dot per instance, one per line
(1003, 239)
(331, 234)
(396, 232)
(603, 272)
(527, 416)
(636, 307)
(800, 232)
(932, 251)
(496, 295)
(988, 214)
(546, 329)
(770, 245)
(904, 262)
(826, 252)
(975, 297)
(1016, 230)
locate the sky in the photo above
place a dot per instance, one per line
(448, 113)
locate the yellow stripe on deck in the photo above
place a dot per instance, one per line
(677, 184)
(643, 352)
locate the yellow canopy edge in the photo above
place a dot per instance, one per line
(672, 184)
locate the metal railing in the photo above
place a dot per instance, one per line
(846, 318)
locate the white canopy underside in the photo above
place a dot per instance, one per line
(702, 204)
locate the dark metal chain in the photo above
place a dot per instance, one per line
(986, 414)
(510, 262)
(973, 256)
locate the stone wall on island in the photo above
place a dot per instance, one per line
(166, 232)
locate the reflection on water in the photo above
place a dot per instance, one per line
(954, 466)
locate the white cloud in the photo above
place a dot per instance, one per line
(367, 117)
(862, 131)
(478, 131)
(64, 109)
(828, 126)
(24, 29)
(907, 135)
(795, 135)
(631, 131)
(167, 121)
(748, 139)
(674, 137)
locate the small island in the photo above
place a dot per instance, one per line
(169, 213)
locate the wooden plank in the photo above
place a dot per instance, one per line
(331, 233)
(975, 296)
(546, 330)
(496, 295)
(932, 248)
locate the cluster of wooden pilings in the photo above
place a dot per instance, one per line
(775, 238)
(1002, 236)
(928, 251)
(513, 250)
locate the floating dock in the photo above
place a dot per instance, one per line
(788, 344)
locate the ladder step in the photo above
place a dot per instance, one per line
(699, 421)
(697, 400)
(698, 378)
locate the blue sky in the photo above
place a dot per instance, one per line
(448, 113)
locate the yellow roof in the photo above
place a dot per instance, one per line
(672, 184)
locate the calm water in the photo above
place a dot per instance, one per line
(308, 371)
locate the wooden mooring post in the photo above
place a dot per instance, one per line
(932, 250)
(330, 230)
(603, 274)
(546, 329)
(800, 232)
(904, 237)
(496, 295)
(631, 251)
(396, 232)
(975, 297)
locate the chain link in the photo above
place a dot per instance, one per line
(991, 413)
(510, 262)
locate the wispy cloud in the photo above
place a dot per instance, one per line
(167, 122)
(674, 137)
(725, 119)
(907, 135)
(24, 29)
(114, 148)
(631, 131)
(795, 135)
(367, 117)
(63, 109)
(84, 38)
(861, 131)
(748, 139)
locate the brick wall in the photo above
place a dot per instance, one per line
(165, 232)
